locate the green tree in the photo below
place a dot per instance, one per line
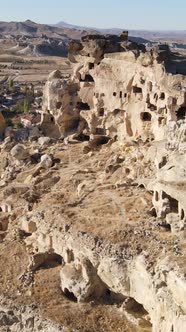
(11, 84)
(26, 105)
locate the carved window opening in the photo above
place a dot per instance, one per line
(146, 116)
(173, 203)
(161, 121)
(156, 96)
(117, 111)
(91, 65)
(152, 107)
(163, 162)
(125, 95)
(100, 131)
(181, 113)
(120, 94)
(174, 101)
(162, 96)
(136, 89)
(182, 214)
(52, 119)
(101, 111)
(88, 78)
(114, 94)
(83, 106)
(148, 98)
(150, 86)
(156, 196)
(127, 171)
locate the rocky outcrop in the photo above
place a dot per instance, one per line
(91, 268)
(121, 92)
(60, 99)
(99, 201)
(118, 88)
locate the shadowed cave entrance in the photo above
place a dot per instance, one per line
(88, 78)
(181, 113)
(69, 295)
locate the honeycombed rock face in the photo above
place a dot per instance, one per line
(123, 92)
(99, 203)
(134, 96)
(119, 88)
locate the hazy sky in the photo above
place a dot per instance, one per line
(129, 14)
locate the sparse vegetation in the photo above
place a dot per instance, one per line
(9, 122)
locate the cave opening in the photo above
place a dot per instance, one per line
(116, 111)
(101, 112)
(163, 162)
(181, 113)
(145, 116)
(83, 106)
(88, 78)
(173, 203)
(156, 196)
(136, 89)
(137, 309)
(182, 214)
(46, 261)
(161, 121)
(91, 65)
(69, 295)
(162, 96)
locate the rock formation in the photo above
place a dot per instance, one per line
(99, 200)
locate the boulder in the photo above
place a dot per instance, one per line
(46, 161)
(20, 152)
(81, 280)
(44, 140)
(34, 132)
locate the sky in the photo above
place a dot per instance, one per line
(126, 14)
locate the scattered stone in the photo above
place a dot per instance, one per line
(46, 161)
(20, 152)
(44, 141)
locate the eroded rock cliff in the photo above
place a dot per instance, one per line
(93, 213)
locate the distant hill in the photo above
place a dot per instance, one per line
(78, 27)
(33, 29)
(179, 35)
(64, 31)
